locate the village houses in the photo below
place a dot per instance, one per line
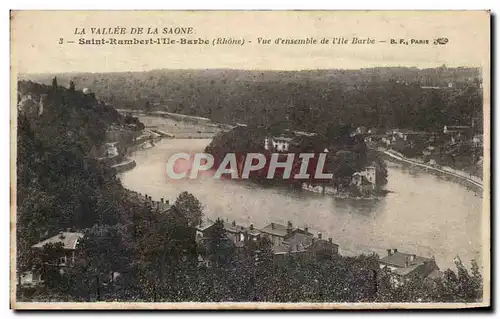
(65, 244)
(403, 266)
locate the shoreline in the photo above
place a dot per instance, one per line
(443, 174)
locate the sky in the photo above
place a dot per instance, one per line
(35, 39)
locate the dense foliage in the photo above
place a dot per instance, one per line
(311, 99)
(346, 154)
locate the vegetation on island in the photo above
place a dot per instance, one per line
(345, 153)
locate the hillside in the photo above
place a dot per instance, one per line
(60, 184)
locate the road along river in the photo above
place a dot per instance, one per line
(424, 214)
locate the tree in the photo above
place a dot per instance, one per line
(54, 82)
(46, 261)
(191, 207)
(101, 255)
(218, 247)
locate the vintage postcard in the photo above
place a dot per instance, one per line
(250, 159)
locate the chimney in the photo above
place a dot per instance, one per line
(234, 223)
(167, 202)
(306, 229)
(289, 228)
(330, 240)
(162, 200)
(251, 226)
(406, 262)
(395, 250)
(412, 258)
(389, 252)
(272, 226)
(61, 235)
(320, 236)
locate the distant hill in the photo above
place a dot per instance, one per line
(424, 99)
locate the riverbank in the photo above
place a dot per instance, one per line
(124, 166)
(179, 126)
(470, 182)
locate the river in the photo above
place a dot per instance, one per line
(424, 214)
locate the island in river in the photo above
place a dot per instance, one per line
(357, 171)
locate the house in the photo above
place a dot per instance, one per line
(409, 136)
(324, 189)
(276, 232)
(203, 228)
(361, 130)
(279, 143)
(303, 244)
(62, 257)
(238, 234)
(366, 179)
(456, 132)
(477, 140)
(69, 241)
(111, 149)
(403, 266)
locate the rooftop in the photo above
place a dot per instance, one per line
(235, 228)
(206, 223)
(275, 229)
(68, 239)
(302, 241)
(283, 138)
(398, 259)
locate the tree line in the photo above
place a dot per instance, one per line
(312, 100)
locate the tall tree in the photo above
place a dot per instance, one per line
(191, 207)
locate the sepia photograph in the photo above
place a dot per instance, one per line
(250, 159)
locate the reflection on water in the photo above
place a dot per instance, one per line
(424, 214)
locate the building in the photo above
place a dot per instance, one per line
(403, 266)
(69, 241)
(63, 256)
(409, 136)
(457, 132)
(277, 143)
(111, 149)
(238, 234)
(361, 130)
(31, 106)
(323, 189)
(366, 179)
(477, 140)
(276, 232)
(303, 244)
(203, 228)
